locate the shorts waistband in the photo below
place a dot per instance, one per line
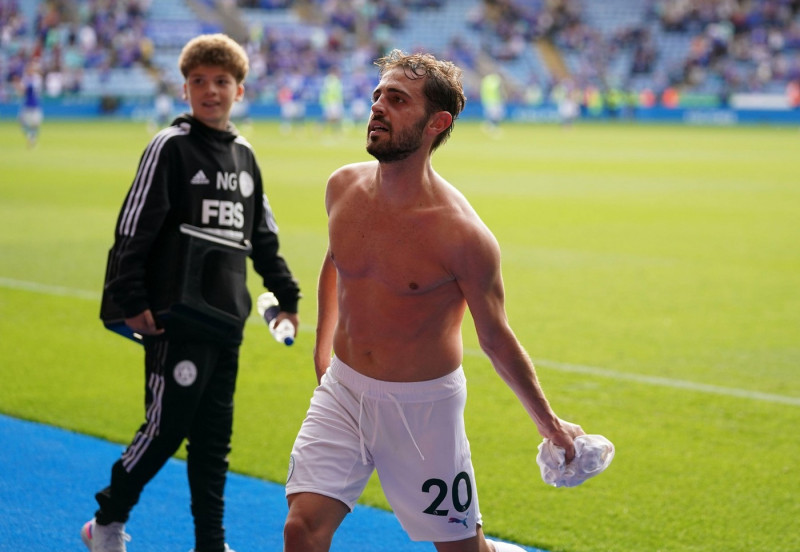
(411, 391)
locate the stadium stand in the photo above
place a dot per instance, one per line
(706, 49)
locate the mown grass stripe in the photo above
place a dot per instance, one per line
(551, 364)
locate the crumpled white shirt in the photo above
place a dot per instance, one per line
(593, 454)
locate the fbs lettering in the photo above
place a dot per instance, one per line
(226, 213)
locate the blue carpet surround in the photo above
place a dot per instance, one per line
(48, 477)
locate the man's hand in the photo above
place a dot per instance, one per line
(144, 323)
(564, 436)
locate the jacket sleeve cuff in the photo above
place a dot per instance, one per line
(134, 308)
(288, 301)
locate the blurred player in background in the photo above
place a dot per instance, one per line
(567, 97)
(30, 114)
(493, 101)
(163, 104)
(331, 100)
(407, 256)
(199, 171)
(291, 101)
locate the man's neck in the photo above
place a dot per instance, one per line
(402, 181)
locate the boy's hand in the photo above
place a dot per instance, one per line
(144, 323)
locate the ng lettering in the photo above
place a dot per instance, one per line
(227, 181)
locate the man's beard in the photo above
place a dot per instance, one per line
(407, 142)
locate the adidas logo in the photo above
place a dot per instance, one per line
(199, 178)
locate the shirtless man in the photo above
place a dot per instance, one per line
(407, 256)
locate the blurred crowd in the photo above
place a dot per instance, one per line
(733, 45)
(68, 37)
(744, 45)
(341, 38)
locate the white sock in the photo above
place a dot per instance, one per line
(505, 547)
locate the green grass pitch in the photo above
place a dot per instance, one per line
(652, 272)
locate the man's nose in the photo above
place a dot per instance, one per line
(377, 106)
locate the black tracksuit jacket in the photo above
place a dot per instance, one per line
(190, 173)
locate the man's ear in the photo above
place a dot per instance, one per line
(440, 121)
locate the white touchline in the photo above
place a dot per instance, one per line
(36, 287)
(48, 289)
(669, 382)
(659, 381)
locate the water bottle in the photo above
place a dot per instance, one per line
(268, 308)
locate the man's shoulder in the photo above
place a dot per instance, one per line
(353, 174)
(460, 217)
(355, 169)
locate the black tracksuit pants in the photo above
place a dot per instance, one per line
(189, 391)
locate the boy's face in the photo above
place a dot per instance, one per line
(211, 91)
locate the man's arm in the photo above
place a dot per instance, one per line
(327, 298)
(515, 367)
(327, 313)
(481, 283)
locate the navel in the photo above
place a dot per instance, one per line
(413, 285)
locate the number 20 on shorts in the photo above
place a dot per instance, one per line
(459, 504)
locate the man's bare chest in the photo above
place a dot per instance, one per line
(401, 253)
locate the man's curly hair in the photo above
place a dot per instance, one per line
(442, 87)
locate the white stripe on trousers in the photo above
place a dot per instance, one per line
(145, 436)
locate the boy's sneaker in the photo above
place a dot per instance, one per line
(227, 548)
(104, 538)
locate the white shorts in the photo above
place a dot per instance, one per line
(333, 112)
(412, 433)
(31, 117)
